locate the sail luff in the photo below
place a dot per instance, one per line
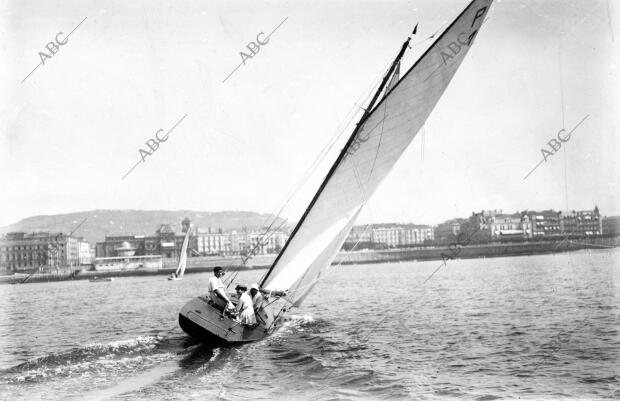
(341, 155)
(381, 137)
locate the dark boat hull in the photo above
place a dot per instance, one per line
(204, 322)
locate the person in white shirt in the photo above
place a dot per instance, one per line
(245, 308)
(217, 291)
(257, 297)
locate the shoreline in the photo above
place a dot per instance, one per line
(261, 262)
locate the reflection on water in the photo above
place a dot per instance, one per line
(529, 327)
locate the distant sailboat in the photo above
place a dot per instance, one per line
(393, 117)
(178, 274)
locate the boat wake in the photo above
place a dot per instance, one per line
(93, 358)
(145, 367)
(96, 366)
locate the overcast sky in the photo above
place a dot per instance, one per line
(74, 127)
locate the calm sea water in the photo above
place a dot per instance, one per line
(528, 327)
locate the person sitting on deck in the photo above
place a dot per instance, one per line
(245, 309)
(217, 291)
(257, 297)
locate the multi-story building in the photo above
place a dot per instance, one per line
(165, 243)
(545, 223)
(85, 257)
(611, 226)
(360, 237)
(448, 228)
(390, 235)
(412, 234)
(212, 243)
(208, 241)
(44, 250)
(582, 222)
(503, 225)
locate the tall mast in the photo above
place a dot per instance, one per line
(387, 77)
(342, 152)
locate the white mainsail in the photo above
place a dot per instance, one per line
(183, 259)
(369, 155)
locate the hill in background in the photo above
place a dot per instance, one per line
(139, 222)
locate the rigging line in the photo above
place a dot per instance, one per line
(563, 121)
(330, 269)
(353, 111)
(251, 253)
(567, 237)
(233, 261)
(385, 316)
(320, 158)
(260, 241)
(611, 27)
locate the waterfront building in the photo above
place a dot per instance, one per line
(505, 225)
(203, 241)
(165, 243)
(212, 243)
(611, 226)
(527, 226)
(112, 243)
(258, 242)
(390, 235)
(360, 235)
(125, 250)
(582, 222)
(545, 223)
(21, 251)
(386, 235)
(413, 234)
(85, 256)
(448, 229)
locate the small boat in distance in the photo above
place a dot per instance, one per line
(101, 279)
(393, 117)
(178, 274)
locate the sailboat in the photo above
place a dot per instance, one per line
(393, 117)
(178, 274)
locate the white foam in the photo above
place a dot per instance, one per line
(128, 343)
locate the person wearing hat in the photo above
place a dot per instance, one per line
(245, 308)
(257, 297)
(217, 291)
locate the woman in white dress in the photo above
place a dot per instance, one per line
(245, 308)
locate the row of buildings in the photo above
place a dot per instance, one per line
(389, 236)
(491, 225)
(202, 242)
(27, 251)
(21, 251)
(532, 224)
